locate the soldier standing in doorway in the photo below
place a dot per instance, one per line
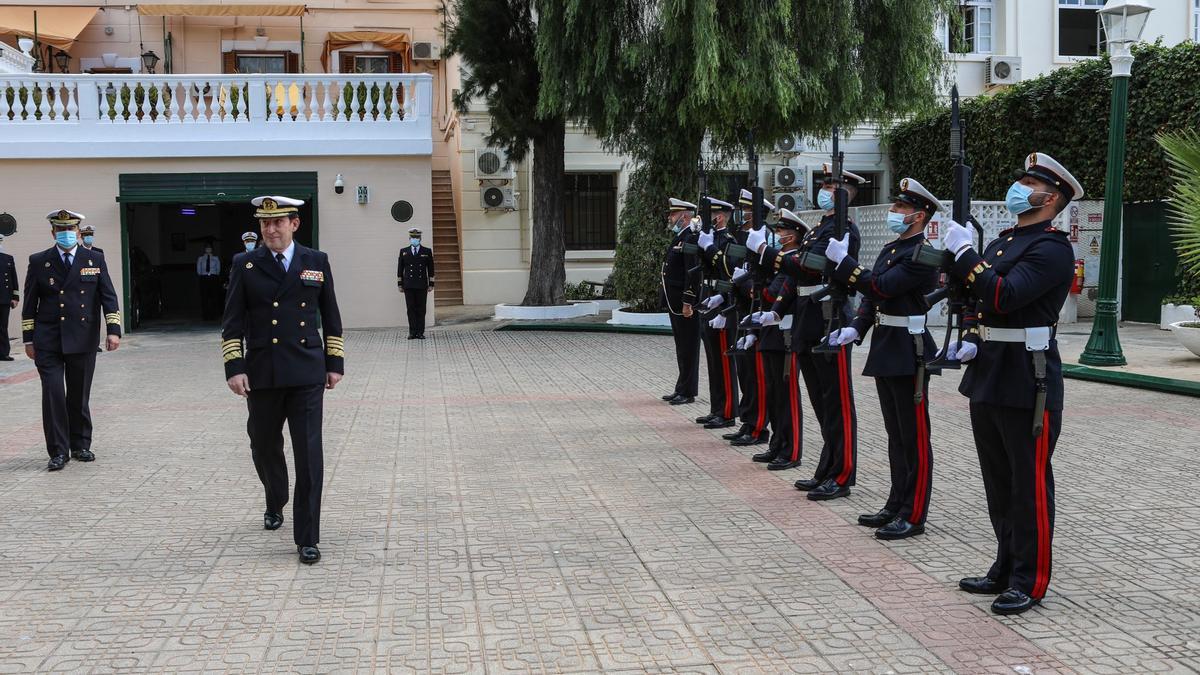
(414, 276)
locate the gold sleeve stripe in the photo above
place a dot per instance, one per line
(234, 341)
(27, 324)
(113, 318)
(335, 340)
(230, 356)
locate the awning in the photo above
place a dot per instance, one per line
(393, 42)
(219, 9)
(56, 26)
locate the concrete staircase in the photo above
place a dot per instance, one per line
(447, 260)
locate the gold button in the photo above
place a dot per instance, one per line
(304, 304)
(301, 340)
(61, 305)
(301, 323)
(61, 292)
(274, 341)
(82, 307)
(893, 250)
(83, 318)
(1010, 239)
(274, 304)
(999, 253)
(62, 318)
(274, 322)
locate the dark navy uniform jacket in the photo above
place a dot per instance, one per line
(680, 288)
(808, 324)
(770, 338)
(716, 258)
(1021, 281)
(64, 308)
(9, 288)
(276, 315)
(897, 286)
(415, 272)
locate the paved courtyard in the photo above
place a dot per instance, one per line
(523, 502)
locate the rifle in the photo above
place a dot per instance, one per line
(954, 292)
(837, 293)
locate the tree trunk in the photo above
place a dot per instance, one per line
(547, 273)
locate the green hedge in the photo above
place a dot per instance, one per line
(1064, 114)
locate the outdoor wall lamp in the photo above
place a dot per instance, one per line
(150, 60)
(339, 185)
(63, 60)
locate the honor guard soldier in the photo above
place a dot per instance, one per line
(752, 409)
(414, 276)
(680, 291)
(249, 241)
(779, 350)
(718, 331)
(279, 295)
(826, 376)
(67, 290)
(88, 235)
(894, 305)
(9, 296)
(1014, 375)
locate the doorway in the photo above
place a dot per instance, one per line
(168, 221)
(1149, 261)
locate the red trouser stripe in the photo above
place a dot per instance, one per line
(847, 433)
(1042, 510)
(996, 300)
(761, 388)
(918, 510)
(793, 385)
(725, 377)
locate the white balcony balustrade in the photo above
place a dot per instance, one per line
(214, 115)
(14, 61)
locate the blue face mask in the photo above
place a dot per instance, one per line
(676, 228)
(87, 239)
(1017, 199)
(249, 246)
(415, 242)
(825, 200)
(896, 222)
(66, 238)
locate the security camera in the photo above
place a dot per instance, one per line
(339, 185)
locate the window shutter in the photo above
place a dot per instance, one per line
(396, 62)
(345, 63)
(293, 62)
(229, 62)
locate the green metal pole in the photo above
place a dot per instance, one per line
(1104, 345)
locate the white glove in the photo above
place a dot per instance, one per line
(956, 237)
(695, 224)
(718, 322)
(843, 336)
(837, 249)
(741, 343)
(739, 273)
(714, 301)
(767, 318)
(705, 240)
(961, 351)
(748, 341)
(757, 239)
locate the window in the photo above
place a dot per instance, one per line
(1079, 27)
(255, 63)
(970, 29)
(372, 65)
(590, 222)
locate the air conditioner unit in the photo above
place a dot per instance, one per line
(1003, 70)
(793, 145)
(426, 51)
(493, 164)
(496, 198)
(792, 201)
(785, 179)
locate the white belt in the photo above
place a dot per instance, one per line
(808, 290)
(1035, 339)
(914, 324)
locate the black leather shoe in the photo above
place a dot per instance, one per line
(899, 529)
(6, 358)
(764, 457)
(308, 554)
(748, 439)
(981, 585)
(421, 336)
(272, 521)
(668, 397)
(682, 400)
(1013, 601)
(806, 484)
(719, 422)
(57, 462)
(412, 337)
(828, 490)
(782, 464)
(742, 431)
(703, 419)
(879, 519)
(83, 455)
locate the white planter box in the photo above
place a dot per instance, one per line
(608, 305)
(1174, 314)
(571, 311)
(1188, 337)
(622, 318)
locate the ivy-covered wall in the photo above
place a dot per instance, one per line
(1064, 114)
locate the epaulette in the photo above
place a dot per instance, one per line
(1054, 229)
